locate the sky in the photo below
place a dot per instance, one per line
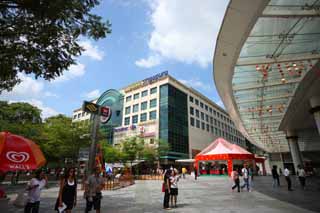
(148, 37)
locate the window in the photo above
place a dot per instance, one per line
(197, 113)
(203, 126)
(207, 118)
(202, 116)
(153, 103)
(208, 128)
(151, 141)
(135, 96)
(144, 93)
(197, 123)
(212, 129)
(191, 99)
(135, 108)
(192, 121)
(153, 90)
(152, 115)
(201, 104)
(211, 120)
(127, 121)
(128, 98)
(144, 105)
(143, 117)
(127, 110)
(206, 107)
(214, 112)
(75, 116)
(210, 110)
(196, 102)
(191, 111)
(79, 115)
(215, 122)
(134, 119)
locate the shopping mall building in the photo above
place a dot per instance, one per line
(160, 107)
(267, 72)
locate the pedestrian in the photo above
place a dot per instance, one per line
(245, 174)
(250, 173)
(68, 191)
(275, 176)
(166, 186)
(195, 173)
(286, 174)
(92, 193)
(184, 171)
(174, 188)
(236, 180)
(302, 177)
(34, 188)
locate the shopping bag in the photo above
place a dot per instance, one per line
(163, 187)
(21, 200)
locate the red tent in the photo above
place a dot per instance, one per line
(220, 149)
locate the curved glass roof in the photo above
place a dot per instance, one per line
(282, 47)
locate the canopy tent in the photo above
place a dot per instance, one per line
(222, 150)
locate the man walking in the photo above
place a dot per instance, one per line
(275, 176)
(245, 174)
(288, 179)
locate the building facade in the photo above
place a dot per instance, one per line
(160, 107)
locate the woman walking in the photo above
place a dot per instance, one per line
(174, 188)
(68, 192)
(166, 184)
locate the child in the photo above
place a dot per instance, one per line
(174, 188)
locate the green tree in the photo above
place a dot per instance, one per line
(62, 139)
(21, 119)
(149, 155)
(41, 37)
(111, 154)
(132, 149)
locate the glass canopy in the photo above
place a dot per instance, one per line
(282, 47)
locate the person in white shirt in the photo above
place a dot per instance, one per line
(286, 174)
(174, 188)
(34, 190)
(245, 174)
(302, 177)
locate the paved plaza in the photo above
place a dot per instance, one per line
(207, 194)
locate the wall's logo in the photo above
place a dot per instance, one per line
(17, 157)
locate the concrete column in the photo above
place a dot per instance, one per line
(315, 110)
(294, 149)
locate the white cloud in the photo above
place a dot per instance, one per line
(75, 70)
(151, 61)
(186, 30)
(196, 83)
(92, 94)
(50, 94)
(91, 51)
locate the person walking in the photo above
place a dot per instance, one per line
(67, 192)
(166, 186)
(195, 173)
(174, 188)
(236, 180)
(34, 188)
(92, 193)
(286, 174)
(245, 174)
(302, 177)
(275, 176)
(184, 171)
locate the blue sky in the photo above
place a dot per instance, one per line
(148, 37)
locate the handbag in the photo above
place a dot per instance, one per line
(21, 200)
(163, 187)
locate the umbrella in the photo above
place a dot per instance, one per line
(18, 153)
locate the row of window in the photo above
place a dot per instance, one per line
(143, 117)
(81, 114)
(206, 117)
(143, 106)
(143, 94)
(209, 109)
(216, 131)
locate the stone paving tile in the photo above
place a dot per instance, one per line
(208, 194)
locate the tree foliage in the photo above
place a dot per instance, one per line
(132, 149)
(111, 154)
(41, 36)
